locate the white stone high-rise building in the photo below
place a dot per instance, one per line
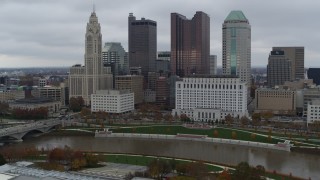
(236, 46)
(205, 98)
(86, 80)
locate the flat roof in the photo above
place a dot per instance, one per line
(33, 100)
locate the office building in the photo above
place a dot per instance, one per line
(149, 95)
(163, 63)
(86, 80)
(278, 101)
(190, 44)
(236, 46)
(213, 64)
(296, 55)
(152, 79)
(35, 103)
(172, 90)
(162, 91)
(11, 95)
(309, 94)
(142, 44)
(313, 111)
(52, 92)
(278, 68)
(114, 55)
(298, 84)
(112, 101)
(134, 83)
(211, 98)
(39, 81)
(314, 73)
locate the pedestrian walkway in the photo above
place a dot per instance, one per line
(114, 170)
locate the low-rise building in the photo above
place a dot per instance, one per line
(112, 101)
(313, 113)
(278, 101)
(11, 95)
(308, 95)
(55, 93)
(34, 103)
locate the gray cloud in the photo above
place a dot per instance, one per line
(51, 33)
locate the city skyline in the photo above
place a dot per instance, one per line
(52, 33)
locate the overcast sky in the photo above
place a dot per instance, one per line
(44, 33)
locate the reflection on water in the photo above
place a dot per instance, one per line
(303, 165)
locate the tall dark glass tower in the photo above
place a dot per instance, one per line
(190, 44)
(278, 69)
(142, 44)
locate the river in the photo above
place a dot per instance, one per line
(298, 164)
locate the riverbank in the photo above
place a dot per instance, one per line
(68, 132)
(298, 164)
(306, 150)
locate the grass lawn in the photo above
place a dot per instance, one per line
(293, 137)
(144, 161)
(173, 130)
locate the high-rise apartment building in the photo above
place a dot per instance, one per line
(142, 44)
(190, 44)
(236, 46)
(113, 54)
(296, 55)
(86, 80)
(278, 69)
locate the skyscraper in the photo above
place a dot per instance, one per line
(163, 63)
(213, 64)
(278, 69)
(190, 44)
(113, 54)
(296, 55)
(86, 80)
(142, 44)
(236, 46)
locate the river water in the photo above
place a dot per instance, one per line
(298, 164)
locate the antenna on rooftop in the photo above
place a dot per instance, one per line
(94, 6)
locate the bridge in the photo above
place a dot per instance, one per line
(19, 131)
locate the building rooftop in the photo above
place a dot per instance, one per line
(236, 15)
(33, 101)
(113, 92)
(211, 76)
